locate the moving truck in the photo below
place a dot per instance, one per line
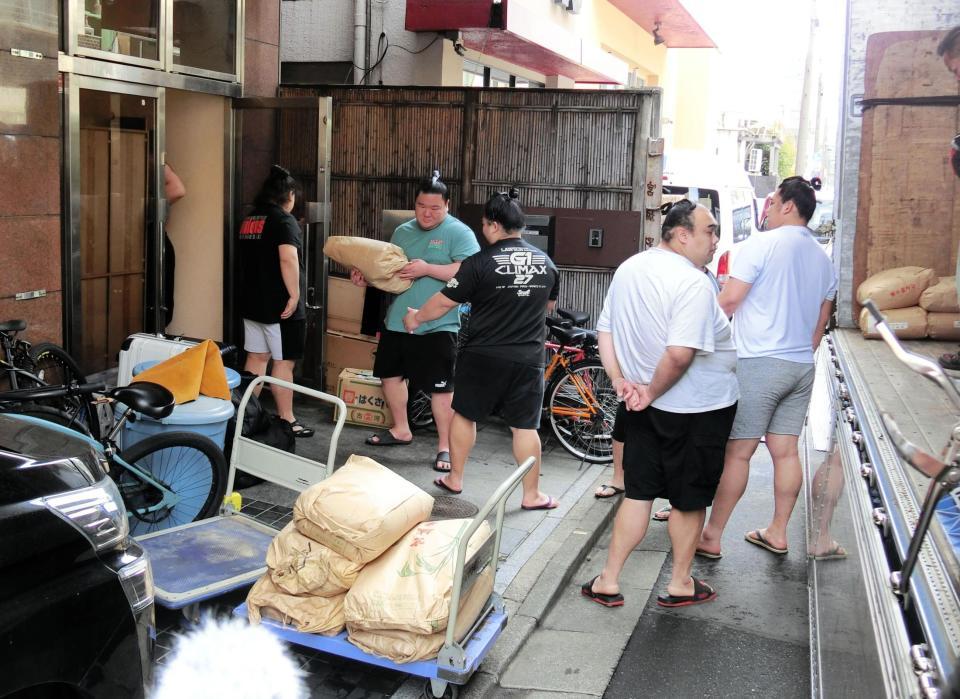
(897, 204)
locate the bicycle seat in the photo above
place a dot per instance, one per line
(558, 322)
(570, 337)
(151, 399)
(576, 317)
(13, 326)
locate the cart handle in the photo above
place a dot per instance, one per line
(319, 395)
(499, 501)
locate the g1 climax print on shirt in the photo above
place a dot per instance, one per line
(523, 265)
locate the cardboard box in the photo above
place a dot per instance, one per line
(363, 396)
(344, 306)
(341, 351)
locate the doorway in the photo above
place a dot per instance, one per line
(112, 243)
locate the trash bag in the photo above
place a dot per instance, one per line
(259, 424)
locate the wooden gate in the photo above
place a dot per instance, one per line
(563, 148)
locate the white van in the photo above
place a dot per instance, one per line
(726, 191)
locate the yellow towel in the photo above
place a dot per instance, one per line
(190, 373)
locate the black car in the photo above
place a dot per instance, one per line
(76, 592)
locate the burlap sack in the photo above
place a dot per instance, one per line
(896, 288)
(409, 587)
(943, 326)
(906, 323)
(323, 615)
(406, 647)
(361, 510)
(299, 565)
(379, 261)
(941, 297)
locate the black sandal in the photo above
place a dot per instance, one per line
(300, 430)
(701, 593)
(606, 600)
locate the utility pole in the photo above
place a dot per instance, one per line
(803, 129)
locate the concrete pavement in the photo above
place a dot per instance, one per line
(557, 644)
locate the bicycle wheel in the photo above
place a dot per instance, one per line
(581, 406)
(55, 367)
(419, 410)
(191, 470)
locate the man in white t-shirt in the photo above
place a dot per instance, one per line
(780, 292)
(669, 351)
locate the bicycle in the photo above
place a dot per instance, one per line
(166, 479)
(31, 366)
(579, 402)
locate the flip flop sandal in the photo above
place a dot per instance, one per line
(606, 600)
(708, 554)
(616, 491)
(299, 430)
(701, 593)
(385, 438)
(440, 484)
(662, 515)
(444, 457)
(835, 552)
(756, 538)
(550, 504)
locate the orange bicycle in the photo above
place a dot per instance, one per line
(579, 402)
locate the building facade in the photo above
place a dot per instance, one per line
(95, 97)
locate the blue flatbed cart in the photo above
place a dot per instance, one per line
(456, 662)
(201, 560)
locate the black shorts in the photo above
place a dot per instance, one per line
(488, 384)
(677, 456)
(618, 432)
(426, 361)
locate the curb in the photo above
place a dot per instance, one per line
(532, 593)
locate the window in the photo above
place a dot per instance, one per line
(205, 35)
(478, 75)
(124, 27)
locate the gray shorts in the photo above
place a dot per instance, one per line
(774, 395)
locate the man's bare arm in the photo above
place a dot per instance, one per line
(733, 294)
(608, 357)
(825, 309)
(672, 365)
(436, 306)
(415, 269)
(290, 273)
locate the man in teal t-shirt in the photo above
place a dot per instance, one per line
(435, 243)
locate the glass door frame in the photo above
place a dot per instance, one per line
(72, 321)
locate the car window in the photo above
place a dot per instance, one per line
(742, 223)
(710, 198)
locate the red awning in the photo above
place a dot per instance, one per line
(678, 29)
(491, 29)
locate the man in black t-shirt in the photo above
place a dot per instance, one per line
(271, 278)
(510, 285)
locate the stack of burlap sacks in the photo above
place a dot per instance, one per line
(915, 302)
(361, 554)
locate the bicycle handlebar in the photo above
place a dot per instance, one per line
(48, 392)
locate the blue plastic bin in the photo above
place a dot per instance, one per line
(205, 415)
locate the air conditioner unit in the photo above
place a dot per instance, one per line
(755, 161)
